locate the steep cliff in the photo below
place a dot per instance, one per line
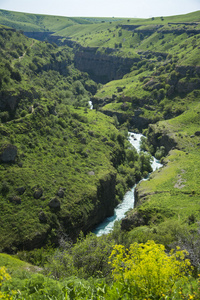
(90, 211)
(158, 138)
(102, 67)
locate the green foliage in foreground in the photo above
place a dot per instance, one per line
(143, 271)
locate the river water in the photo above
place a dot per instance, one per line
(128, 201)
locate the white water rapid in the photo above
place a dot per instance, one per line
(128, 201)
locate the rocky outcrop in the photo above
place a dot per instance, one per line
(15, 199)
(130, 27)
(102, 204)
(179, 31)
(102, 67)
(106, 195)
(154, 53)
(121, 117)
(100, 102)
(61, 192)
(50, 37)
(152, 84)
(139, 122)
(8, 153)
(135, 120)
(42, 217)
(54, 203)
(147, 31)
(134, 220)
(10, 99)
(38, 193)
(187, 86)
(184, 80)
(145, 216)
(158, 138)
(188, 70)
(59, 66)
(41, 36)
(20, 190)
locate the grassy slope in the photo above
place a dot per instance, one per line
(183, 49)
(34, 22)
(53, 150)
(61, 144)
(107, 34)
(51, 163)
(176, 185)
(174, 190)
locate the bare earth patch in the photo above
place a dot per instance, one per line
(180, 182)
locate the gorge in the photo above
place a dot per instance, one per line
(128, 201)
(141, 75)
(76, 94)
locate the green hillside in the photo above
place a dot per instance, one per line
(57, 155)
(40, 23)
(64, 166)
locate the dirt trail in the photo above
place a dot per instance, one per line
(20, 57)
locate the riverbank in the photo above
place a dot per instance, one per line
(129, 199)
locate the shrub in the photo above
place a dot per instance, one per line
(160, 152)
(4, 277)
(146, 270)
(23, 113)
(40, 287)
(4, 188)
(14, 54)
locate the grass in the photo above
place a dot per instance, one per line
(53, 165)
(13, 264)
(43, 23)
(176, 185)
(57, 149)
(62, 145)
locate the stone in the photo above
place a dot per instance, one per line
(15, 199)
(8, 153)
(42, 217)
(152, 84)
(138, 112)
(91, 133)
(124, 106)
(104, 139)
(83, 140)
(119, 89)
(91, 173)
(52, 110)
(20, 190)
(60, 193)
(197, 133)
(31, 109)
(54, 203)
(38, 193)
